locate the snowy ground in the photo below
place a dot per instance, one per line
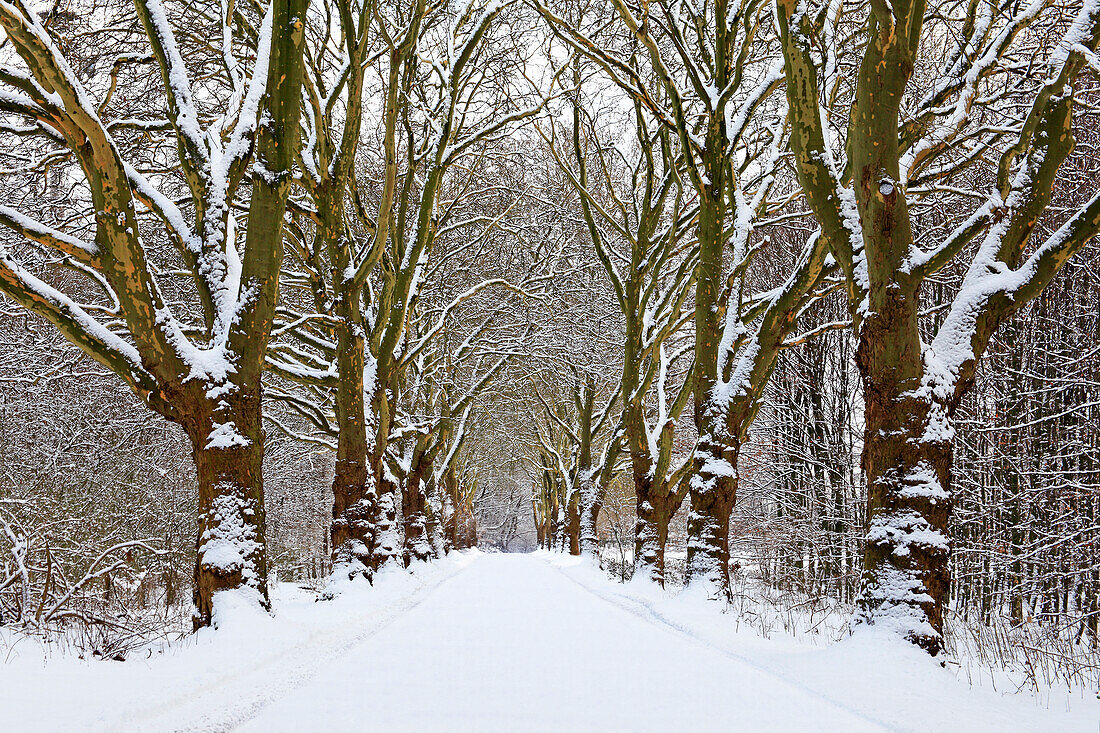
(509, 643)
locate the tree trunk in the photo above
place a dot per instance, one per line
(451, 509)
(540, 532)
(437, 542)
(352, 531)
(573, 523)
(713, 490)
(228, 450)
(584, 504)
(385, 547)
(553, 530)
(416, 545)
(907, 461)
(655, 509)
(713, 483)
(465, 530)
(590, 538)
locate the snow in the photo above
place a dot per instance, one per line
(215, 679)
(902, 529)
(225, 435)
(85, 251)
(229, 543)
(505, 643)
(713, 466)
(923, 482)
(96, 331)
(513, 644)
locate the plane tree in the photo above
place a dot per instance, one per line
(710, 74)
(363, 250)
(911, 174)
(171, 231)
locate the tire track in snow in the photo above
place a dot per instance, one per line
(642, 610)
(263, 682)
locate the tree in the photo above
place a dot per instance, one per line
(868, 204)
(442, 413)
(638, 237)
(711, 77)
(191, 348)
(459, 482)
(363, 270)
(571, 478)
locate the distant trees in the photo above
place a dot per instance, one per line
(806, 493)
(579, 448)
(97, 502)
(707, 74)
(632, 204)
(365, 250)
(1026, 467)
(1026, 472)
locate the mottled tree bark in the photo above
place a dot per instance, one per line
(460, 528)
(414, 516)
(573, 524)
(910, 387)
(352, 483)
(907, 462)
(655, 508)
(712, 486)
(540, 533)
(590, 517)
(228, 448)
(713, 491)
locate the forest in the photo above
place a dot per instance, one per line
(783, 314)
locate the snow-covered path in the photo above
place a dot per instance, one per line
(542, 642)
(512, 644)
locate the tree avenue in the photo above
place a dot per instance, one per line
(521, 240)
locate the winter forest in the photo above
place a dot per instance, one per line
(416, 365)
